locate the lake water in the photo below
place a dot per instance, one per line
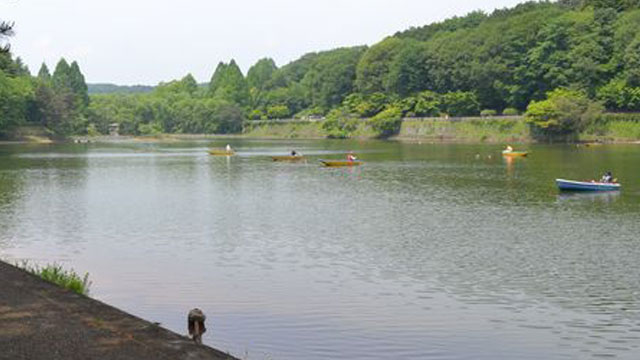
(425, 252)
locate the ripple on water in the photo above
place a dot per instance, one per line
(423, 253)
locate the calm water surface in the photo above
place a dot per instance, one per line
(426, 252)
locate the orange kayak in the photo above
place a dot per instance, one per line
(221, 152)
(515, 153)
(339, 163)
(288, 158)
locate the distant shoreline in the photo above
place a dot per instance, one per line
(473, 130)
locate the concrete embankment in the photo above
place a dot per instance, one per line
(490, 129)
(611, 128)
(39, 320)
(474, 129)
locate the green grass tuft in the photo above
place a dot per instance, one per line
(56, 274)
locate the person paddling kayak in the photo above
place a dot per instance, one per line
(351, 157)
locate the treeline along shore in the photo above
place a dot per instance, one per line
(560, 64)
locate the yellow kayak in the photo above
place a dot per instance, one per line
(515, 153)
(221, 152)
(290, 158)
(338, 163)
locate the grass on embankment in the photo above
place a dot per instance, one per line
(492, 130)
(284, 130)
(610, 128)
(614, 128)
(495, 129)
(56, 274)
(35, 134)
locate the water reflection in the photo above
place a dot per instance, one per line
(425, 252)
(600, 196)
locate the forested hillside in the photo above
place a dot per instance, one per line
(479, 63)
(118, 89)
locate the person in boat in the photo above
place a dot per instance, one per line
(508, 149)
(294, 153)
(229, 148)
(351, 157)
(607, 177)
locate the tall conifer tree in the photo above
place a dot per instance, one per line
(44, 74)
(78, 84)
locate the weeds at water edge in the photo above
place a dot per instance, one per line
(56, 274)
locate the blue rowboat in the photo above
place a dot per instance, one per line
(570, 185)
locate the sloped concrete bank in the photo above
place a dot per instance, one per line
(39, 320)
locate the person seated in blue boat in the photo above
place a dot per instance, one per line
(607, 177)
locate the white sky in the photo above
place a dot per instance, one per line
(148, 41)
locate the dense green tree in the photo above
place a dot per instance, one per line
(78, 84)
(259, 78)
(15, 95)
(632, 62)
(186, 85)
(260, 74)
(366, 105)
(62, 76)
(456, 23)
(387, 122)
(190, 84)
(618, 5)
(228, 84)
(331, 76)
(62, 104)
(427, 104)
(294, 96)
(229, 119)
(460, 103)
(57, 110)
(375, 65)
(409, 72)
(424, 104)
(618, 95)
(563, 113)
(43, 74)
(339, 124)
(278, 112)
(21, 69)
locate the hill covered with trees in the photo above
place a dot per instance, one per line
(106, 88)
(479, 63)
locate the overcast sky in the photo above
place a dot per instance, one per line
(148, 41)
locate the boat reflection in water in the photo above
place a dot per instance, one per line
(596, 196)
